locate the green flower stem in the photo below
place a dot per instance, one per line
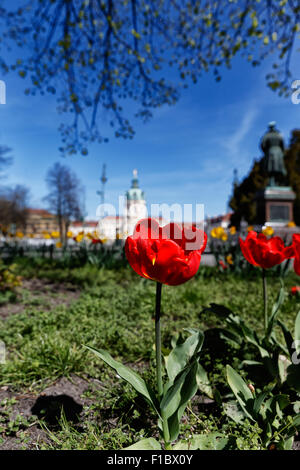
(159, 363)
(158, 341)
(265, 295)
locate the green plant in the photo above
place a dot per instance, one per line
(183, 372)
(9, 280)
(266, 409)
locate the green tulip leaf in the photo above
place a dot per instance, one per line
(293, 376)
(203, 382)
(145, 444)
(297, 333)
(258, 403)
(130, 376)
(271, 410)
(240, 390)
(238, 327)
(231, 337)
(275, 311)
(234, 411)
(213, 441)
(287, 336)
(249, 362)
(183, 353)
(177, 397)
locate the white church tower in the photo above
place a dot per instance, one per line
(136, 208)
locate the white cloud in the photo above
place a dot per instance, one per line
(233, 143)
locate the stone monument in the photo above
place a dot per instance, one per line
(274, 203)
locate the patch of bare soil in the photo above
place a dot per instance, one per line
(67, 395)
(40, 294)
(20, 413)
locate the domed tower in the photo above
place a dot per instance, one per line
(136, 208)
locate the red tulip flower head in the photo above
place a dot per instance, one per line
(296, 246)
(168, 254)
(265, 252)
(295, 290)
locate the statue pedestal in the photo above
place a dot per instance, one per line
(274, 206)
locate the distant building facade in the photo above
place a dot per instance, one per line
(39, 221)
(218, 221)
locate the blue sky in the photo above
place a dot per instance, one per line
(186, 154)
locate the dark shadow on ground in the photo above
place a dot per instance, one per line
(50, 409)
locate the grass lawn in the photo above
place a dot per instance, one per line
(55, 394)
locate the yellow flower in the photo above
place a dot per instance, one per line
(218, 232)
(89, 236)
(58, 245)
(268, 231)
(79, 237)
(232, 230)
(291, 224)
(30, 235)
(19, 234)
(224, 237)
(55, 234)
(249, 228)
(229, 259)
(69, 234)
(47, 236)
(213, 233)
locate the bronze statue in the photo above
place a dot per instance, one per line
(272, 145)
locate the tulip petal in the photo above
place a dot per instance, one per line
(245, 250)
(173, 232)
(133, 255)
(147, 228)
(194, 239)
(297, 265)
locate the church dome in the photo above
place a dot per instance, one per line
(135, 193)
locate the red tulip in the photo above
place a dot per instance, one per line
(95, 241)
(296, 246)
(295, 290)
(167, 254)
(222, 264)
(265, 252)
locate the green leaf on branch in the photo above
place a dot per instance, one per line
(145, 444)
(130, 376)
